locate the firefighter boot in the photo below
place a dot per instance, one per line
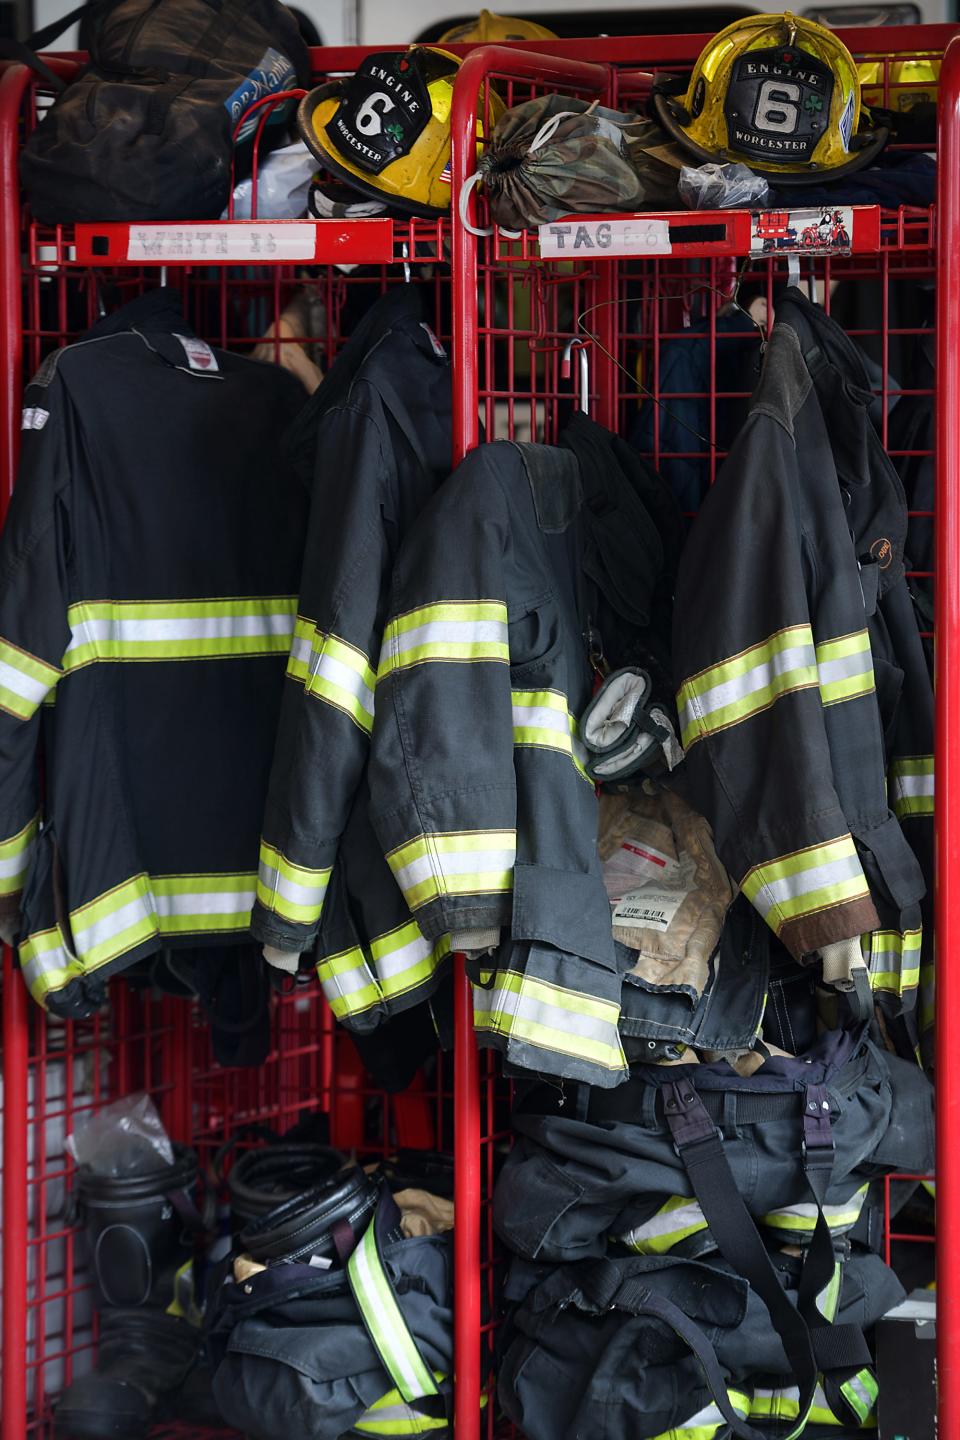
(140, 1233)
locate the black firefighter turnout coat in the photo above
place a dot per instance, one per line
(148, 576)
(804, 698)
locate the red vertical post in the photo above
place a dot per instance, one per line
(13, 1424)
(13, 1413)
(467, 97)
(947, 818)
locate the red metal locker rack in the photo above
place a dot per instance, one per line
(624, 310)
(507, 358)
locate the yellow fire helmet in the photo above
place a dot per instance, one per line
(385, 131)
(909, 82)
(780, 94)
(490, 29)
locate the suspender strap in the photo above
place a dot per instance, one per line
(602, 1285)
(382, 1317)
(700, 1147)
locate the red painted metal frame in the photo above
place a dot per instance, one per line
(588, 66)
(947, 816)
(348, 242)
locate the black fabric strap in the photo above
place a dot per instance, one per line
(19, 50)
(602, 1286)
(700, 1148)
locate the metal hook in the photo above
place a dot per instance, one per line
(566, 365)
(793, 270)
(163, 274)
(405, 252)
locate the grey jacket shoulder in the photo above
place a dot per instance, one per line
(785, 381)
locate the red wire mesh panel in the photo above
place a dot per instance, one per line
(642, 322)
(512, 317)
(143, 1040)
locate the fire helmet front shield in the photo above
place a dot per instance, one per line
(384, 110)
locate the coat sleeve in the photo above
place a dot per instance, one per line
(442, 781)
(326, 720)
(753, 684)
(34, 629)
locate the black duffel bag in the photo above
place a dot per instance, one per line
(146, 131)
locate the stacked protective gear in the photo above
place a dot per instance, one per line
(479, 795)
(148, 571)
(140, 1232)
(373, 444)
(333, 1323)
(804, 699)
(648, 1169)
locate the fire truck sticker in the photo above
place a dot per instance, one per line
(798, 232)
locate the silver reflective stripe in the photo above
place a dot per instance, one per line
(291, 890)
(914, 784)
(26, 686)
(347, 982)
(447, 863)
(198, 627)
(860, 1394)
(106, 927)
(199, 902)
(384, 1321)
(674, 1221)
(541, 718)
(329, 668)
(739, 690)
(802, 882)
(448, 632)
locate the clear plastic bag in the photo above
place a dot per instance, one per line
(722, 187)
(125, 1138)
(283, 183)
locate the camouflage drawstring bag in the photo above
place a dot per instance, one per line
(558, 156)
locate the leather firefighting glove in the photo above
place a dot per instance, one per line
(624, 733)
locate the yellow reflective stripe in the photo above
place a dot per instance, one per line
(291, 891)
(46, 963)
(543, 718)
(333, 670)
(829, 1297)
(708, 1423)
(784, 1404)
(738, 688)
(845, 668)
(861, 1394)
(467, 862)
(803, 1217)
(203, 904)
(403, 959)
(145, 907)
(911, 786)
(25, 681)
(162, 630)
(677, 1218)
(390, 1415)
(455, 630)
(15, 856)
(893, 959)
(385, 1322)
(567, 1022)
(114, 922)
(806, 881)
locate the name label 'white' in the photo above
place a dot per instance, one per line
(226, 241)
